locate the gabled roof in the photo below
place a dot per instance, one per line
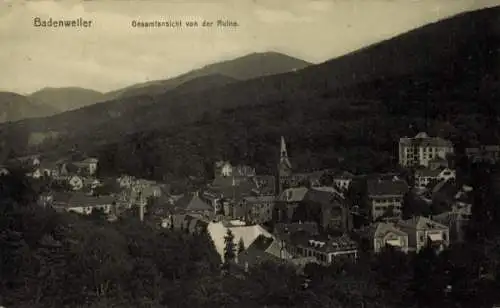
(379, 187)
(426, 172)
(445, 187)
(257, 252)
(381, 229)
(329, 189)
(296, 194)
(421, 223)
(259, 199)
(192, 203)
(282, 229)
(345, 175)
(90, 160)
(79, 199)
(325, 198)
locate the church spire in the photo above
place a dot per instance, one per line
(283, 151)
(285, 165)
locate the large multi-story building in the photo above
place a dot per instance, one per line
(385, 197)
(422, 149)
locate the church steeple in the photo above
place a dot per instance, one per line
(285, 167)
(283, 151)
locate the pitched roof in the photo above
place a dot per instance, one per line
(79, 199)
(325, 198)
(422, 139)
(296, 194)
(445, 187)
(381, 229)
(259, 199)
(426, 172)
(329, 189)
(192, 202)
(233, 192)
(343, 175)
(377, 187)
(218, 230)
(421, 223)
(257, 252)
(282, 229)
(90, 160)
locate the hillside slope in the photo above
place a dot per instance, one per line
(347, 112)
(14, 107)
(64, 99)
(455, 60)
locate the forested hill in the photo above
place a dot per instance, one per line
(348, 112)
(442, 78)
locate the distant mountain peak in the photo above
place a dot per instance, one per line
(249, 66)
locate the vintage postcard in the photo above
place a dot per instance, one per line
(250, 153)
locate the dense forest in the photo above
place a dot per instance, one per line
(349, 134)
(50, 259)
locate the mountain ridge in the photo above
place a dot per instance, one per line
(66, 98)
(245, 67)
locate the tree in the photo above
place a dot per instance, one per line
(241, 246)
(229, 249)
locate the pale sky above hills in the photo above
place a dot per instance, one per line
(112, 54)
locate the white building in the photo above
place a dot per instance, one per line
(423, 231)
(422, 149)
(425, 176)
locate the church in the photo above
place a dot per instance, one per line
(287, 178)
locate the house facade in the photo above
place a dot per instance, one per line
(81, 203)
(326, 250)
(423, 231)
(422, 149)
(382, 235)
(287, 203)
(385, 198)
(424, 176)
(343, 180)
(257, 209)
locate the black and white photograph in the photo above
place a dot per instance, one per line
(250, 153)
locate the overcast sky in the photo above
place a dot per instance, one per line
(113, 54)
